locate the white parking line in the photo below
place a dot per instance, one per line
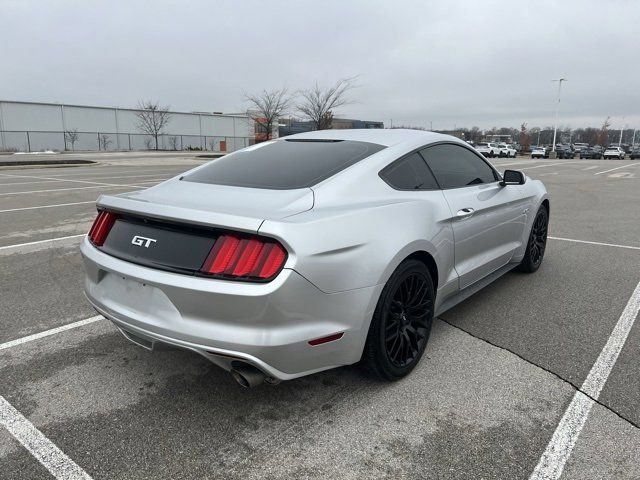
(45, 206)
(617, 168)
(43, 449)
(172, 171)
(592, 167)
(26, 247)
(53, 331)
(27, 183)
(510, 163)
(65, 180)
(72, 181)
(72, 188)
(594, 243)
(548, 165)
(162, 174)
(564, 438)
(73, 203)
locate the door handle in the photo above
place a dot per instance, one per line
(465, 212)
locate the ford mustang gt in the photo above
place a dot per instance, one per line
(312, 251)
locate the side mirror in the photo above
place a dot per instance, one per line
(512, 177)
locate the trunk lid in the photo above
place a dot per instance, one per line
(235, 208)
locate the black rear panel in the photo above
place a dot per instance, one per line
(169, 247)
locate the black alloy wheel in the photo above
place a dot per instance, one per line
(537, 242)
(401, 323)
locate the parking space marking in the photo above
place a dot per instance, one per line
(65, 180)
(44, 206)
(27, 247)
(591, 167)
(510, 163)
(594, 243)
(27, 183)
(106, 173)
(564, 438)
(160, 174)
(617, 168)
(72, 181)
(43, 449)
(53, 331)
(72, 188)
(548, 165)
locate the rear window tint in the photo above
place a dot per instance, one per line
(284, 164)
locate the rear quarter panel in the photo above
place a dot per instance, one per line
(344, 248)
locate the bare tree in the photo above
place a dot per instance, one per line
(318, 104)
(603, 136)
(266, 108)
(148, 143)
(173, 142)
(524, 137)
(152, 118)
(71, 136)
(105, 141)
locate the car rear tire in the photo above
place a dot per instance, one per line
(401, 323)
(537, 242)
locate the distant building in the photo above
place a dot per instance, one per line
(289, 126)
(31, 126)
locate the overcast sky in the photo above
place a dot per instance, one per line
(453, 63)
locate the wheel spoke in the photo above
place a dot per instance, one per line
(393, 336)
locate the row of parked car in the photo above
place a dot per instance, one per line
(580, 150)
(595, 152)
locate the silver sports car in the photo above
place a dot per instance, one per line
(312, 251)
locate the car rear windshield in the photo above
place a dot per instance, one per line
(284, 164)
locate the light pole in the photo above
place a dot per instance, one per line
(538, 144)
(633, 140)
(555, 126)
(621, 130)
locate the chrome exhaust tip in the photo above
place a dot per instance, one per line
(247, 375)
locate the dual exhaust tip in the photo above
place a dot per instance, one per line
(247, 375)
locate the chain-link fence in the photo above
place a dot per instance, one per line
(36, 141)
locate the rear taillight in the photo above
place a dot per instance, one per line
(254, 258)
(101, 226)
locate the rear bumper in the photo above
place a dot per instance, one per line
(265, 324)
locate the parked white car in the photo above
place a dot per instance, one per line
(507, 150)
(538, 152)
(488, 149)
(614, 152)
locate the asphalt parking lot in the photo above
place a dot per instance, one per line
(489, 399)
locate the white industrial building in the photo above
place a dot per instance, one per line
(30, 126)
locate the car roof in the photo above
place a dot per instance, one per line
(381, 136)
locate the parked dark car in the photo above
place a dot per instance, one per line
(564, 151)
(592, 153)
(635, 153)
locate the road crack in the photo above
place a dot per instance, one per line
(569, 382)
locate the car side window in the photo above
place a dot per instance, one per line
(409, 173)
(455, 166)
